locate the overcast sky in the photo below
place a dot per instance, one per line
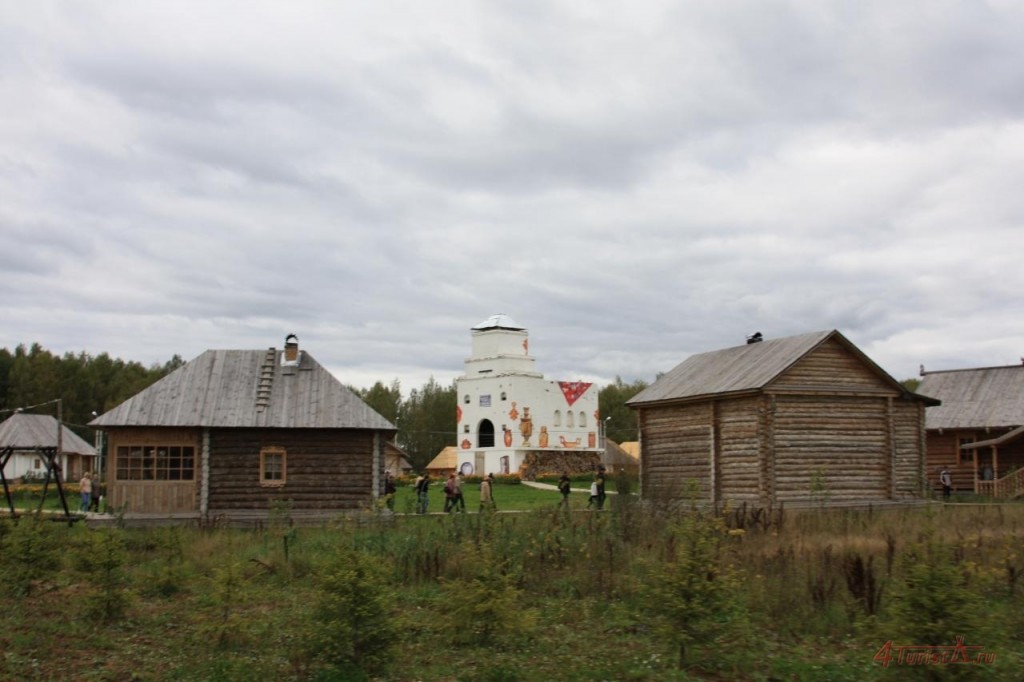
(633, 182)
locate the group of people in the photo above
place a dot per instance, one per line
(454, 500)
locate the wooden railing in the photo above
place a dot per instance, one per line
(1007, 487)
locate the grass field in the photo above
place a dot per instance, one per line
(628, 594)
(507, 498)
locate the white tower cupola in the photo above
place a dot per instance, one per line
(500, 346)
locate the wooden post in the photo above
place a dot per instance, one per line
(378, 457)
(975, 451)
(204, 475)
(891, 437)
(713, 487)
(995, 462)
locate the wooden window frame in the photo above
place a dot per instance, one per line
(162, 462)
(961, 441)
(268, 453)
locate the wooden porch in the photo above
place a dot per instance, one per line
(999, 465)
(1005, 488)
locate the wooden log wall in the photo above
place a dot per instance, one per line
(832, 368)
(844, 440)
(739, 450)
(325, 469)
(908, 427)
(677, 444)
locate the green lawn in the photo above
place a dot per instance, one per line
(506, 497)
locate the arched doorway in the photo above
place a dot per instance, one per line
(485, 434)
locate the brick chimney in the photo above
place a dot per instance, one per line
(291, 350)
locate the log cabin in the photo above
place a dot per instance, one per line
(805, 419)
(233, 432)
(977, 434)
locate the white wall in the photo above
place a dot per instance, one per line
(501, 386)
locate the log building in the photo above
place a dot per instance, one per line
(804, 419)
(978, 432)
(234, 431)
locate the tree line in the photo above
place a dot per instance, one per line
(33, 377)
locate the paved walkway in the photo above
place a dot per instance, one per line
(549, 486)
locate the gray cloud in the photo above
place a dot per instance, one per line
(634, 184)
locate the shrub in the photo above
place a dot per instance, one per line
(29, 552)
(352, 621)
(693, 596)
(934, 604)
(101, 559)
(489, 607)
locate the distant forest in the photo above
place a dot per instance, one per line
(32, 379)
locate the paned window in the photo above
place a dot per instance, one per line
(273, 466)
(156, 462)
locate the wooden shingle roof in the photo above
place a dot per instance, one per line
(30, 431)
(742, 369)
(247, 388)
(975, 398)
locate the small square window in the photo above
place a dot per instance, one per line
(273, 466)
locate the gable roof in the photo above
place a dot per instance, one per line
(30, 431)
(740, 369)
(247, 388)
(975, 398)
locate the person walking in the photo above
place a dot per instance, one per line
(947, 483)
(600, 480)
(390, 490)
(422, 486)
(85, 488)
(592, 502)
(449, 493)
(565, 487)
(460, 500)
(487, 493)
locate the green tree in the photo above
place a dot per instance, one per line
(693, 595)
(352, 625)
(30, 552)
(101, 559)
(85, 384)
(385, 400)
(426, 422)
(935, 605)
(621, 420)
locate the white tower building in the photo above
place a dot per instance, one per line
(507, 410)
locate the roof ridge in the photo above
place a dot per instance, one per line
(970, 369)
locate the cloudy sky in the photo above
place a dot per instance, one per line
(633, 182)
